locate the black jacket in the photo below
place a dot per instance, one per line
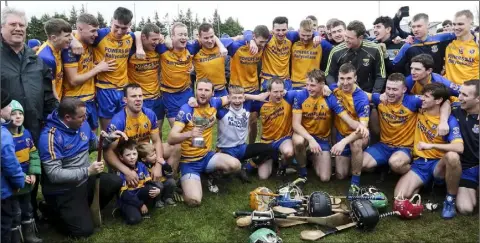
(29, 81)
(392, 51)
(368, 60)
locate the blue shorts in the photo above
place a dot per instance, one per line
(424, 168)
(236, 152)
(346, 151)
(199, 166)
(469, 178)
(156, 105)
(287, 83)
(382, 152)
(110, 102)
(323, 142)
(92, 114)
(220, 93)
(276, 144)
(173, 101)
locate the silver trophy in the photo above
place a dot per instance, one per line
(198, 121)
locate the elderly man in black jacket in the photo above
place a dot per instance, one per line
(25, 77)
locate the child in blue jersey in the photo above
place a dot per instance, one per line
(133, 200)
(29, 160)
(167, 185)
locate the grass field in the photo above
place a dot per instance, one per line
(213, 220)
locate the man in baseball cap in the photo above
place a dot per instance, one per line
(34, 44)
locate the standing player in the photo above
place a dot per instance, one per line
(336, 31)
(422, 73)
(435, 157)
(461, 56)
(305, 55)
(243, 70)
(467, 116)
(144, 71)
(383, 29)
(312, 117)
(139, 124)
(209, 60)
(59, 36)
(195, 160)
(80, 70)
(277, 52)
(276, 117)
(175, 69)
(350, 143)
(422, 43)
(314, 21)
(113, 44)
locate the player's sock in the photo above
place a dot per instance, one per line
(303, 172)
(355, 180)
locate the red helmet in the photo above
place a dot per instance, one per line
(407, 208)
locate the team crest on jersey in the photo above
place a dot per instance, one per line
(434, 48)
(454, 86)
(112, 128)
(28, 142)
(434, 126)
(475, 129)
(401, 112)
(460, 50)
(83, 136)
(472, 51)
(456, 130)
(366, 109)
(127, 42)
(180, 115)
(120, 43)
(366, 62)
(145, 125)
(141, 176)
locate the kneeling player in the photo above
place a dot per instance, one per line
(350, 143)
(435, 157)
(312, 117)
(195, 160)
(467, 116)
(276, 117)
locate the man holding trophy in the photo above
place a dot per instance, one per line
(193, 129)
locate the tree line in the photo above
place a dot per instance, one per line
(230, 26)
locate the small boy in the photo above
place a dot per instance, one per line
(167, 185)
(133, 201)
(27, 155)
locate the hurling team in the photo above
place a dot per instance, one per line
(326, 95)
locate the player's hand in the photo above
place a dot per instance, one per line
(383, 98)
(154, 192)
(326, 91)
(28, 180)
(168, 43)
(156, 173)
(223, 51)
(197, 132)
(443, 129)
(162, 39)
(424, 146)
(253, 47)
(409, 39)
(106, 66)
(33, 179)
(362, 130)
(95, 168)
(114, 135)
(77, 47)
(397, 40)
(338, 148)
(144, 209)
(192, 102)
(314, 146)
(316, 41)
(140, 54)
(132, 178)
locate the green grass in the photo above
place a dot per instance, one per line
(213, 220)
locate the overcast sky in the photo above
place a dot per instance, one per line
(252, 13)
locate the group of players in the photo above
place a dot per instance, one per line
(421, 100)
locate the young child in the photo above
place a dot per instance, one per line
(167, 185)
(27, 155)
(133, 201)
